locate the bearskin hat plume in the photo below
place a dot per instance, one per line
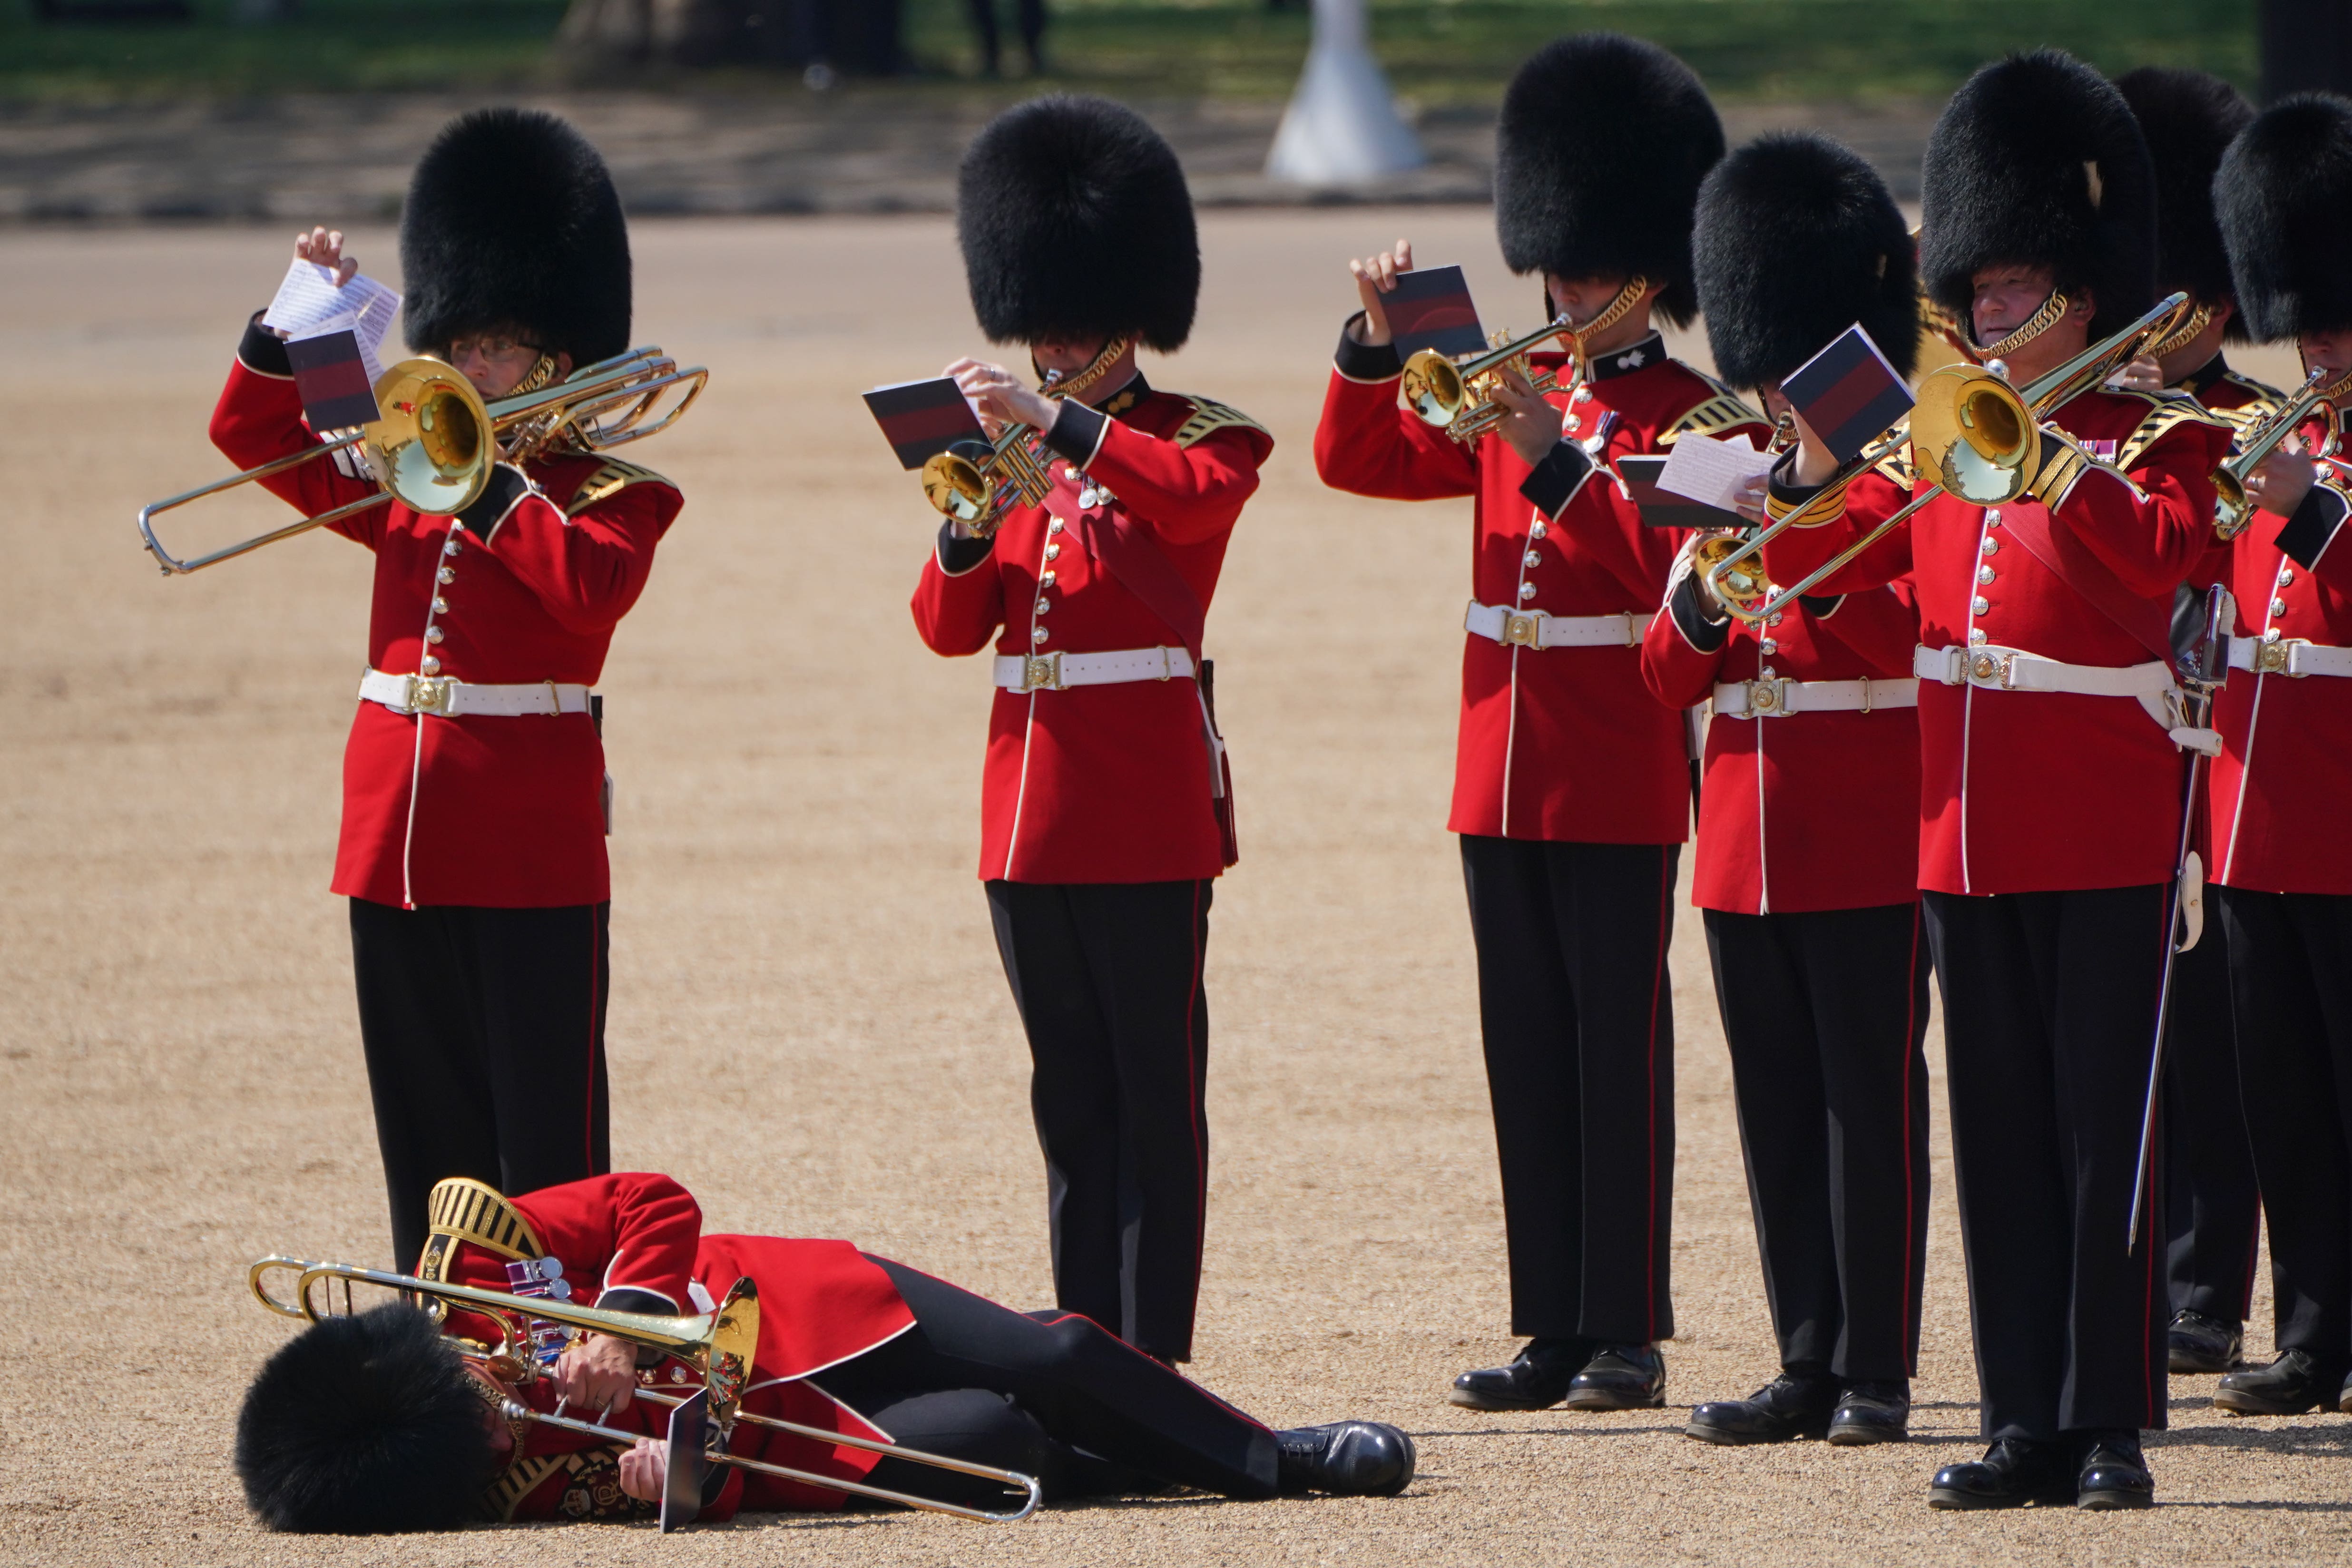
(2188, 118)
(2037, 161)
(364, 1426)
(1797, 238)
(512, 222)
(1075, 223)
(2283, 197)
(1602, 142)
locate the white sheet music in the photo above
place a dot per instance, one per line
(1712, 471)
(308, 303)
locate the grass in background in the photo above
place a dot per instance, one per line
(1436, 51)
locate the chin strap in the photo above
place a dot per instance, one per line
(1616, 311)
(2053, 310)
(2199, 319)
(1056, 384)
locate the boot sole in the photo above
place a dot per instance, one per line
(1938, 1497)
(2239, 1404)
(2113, 1502)
(1470, 1401)
(2198, 1365)
(1727, 1438)
(1867, 1436)
(1591, 1401)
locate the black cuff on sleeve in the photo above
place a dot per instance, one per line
(264, 351)
(1821, 607)
(1696, 616)
(1782, 485)
(1077, 432)
(1553, 483)
(2305, 537)
(1366, 362)
(958, 557)
(635, 1298)
(506, 485)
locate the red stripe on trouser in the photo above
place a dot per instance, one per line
(588, 1110)
(1657, 986)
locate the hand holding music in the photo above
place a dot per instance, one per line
(1003, 396)
(1376, 276)
(643, 1467)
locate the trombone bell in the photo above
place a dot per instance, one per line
(431, 443)
(1973, 434)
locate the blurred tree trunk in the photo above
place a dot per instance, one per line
(858, 36)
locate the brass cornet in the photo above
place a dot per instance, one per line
(718, 1345)
(976, 483)
(433, 440)
(1458, 397)
(2232, 508)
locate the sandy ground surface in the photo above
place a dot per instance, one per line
(808, 1024)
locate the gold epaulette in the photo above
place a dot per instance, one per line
(1900, 466)
(2167, 411)
(463, 1209)
(1720, 412)
(521, 1478)
(2267, 400)
(1208, 416)
(610, 479)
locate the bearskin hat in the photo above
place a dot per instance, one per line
(2188, 118)
(1075, 223)
(364, 1426)
(1602, 142)
(1797, 238)
(512, 222)
(2283, 197)
(2037, 161)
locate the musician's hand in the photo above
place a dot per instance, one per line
(2281, 480)
(324, 248)
(1532, 426)
(643, 1467)
(1748, 500)
(597, 1372)
(1376, 276)
(1002, 395)
(2142, 374)
(1815, 462)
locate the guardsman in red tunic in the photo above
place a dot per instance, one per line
(375, 1424)
(1809, 834)
(474, 786)
(2211, 1209)
(2051, 773)
(1571, 781)
(1106, 811)
(2285, 769)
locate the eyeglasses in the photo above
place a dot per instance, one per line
(492, 348)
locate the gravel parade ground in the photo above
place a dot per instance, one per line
(809, 1026)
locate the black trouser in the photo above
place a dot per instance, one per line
(484, 1032)
(1087, 1412)
(2211, 1208)
(1033, 31)
(1578, 1017)
(2291, 986)
(2048, 1022)
(1108, 978)
(1826, 1014)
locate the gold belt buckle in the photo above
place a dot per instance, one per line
(1524, 630)
(1990, 667)
(2278, 657)
(1042, 672)
(429, 694)
(1768, 697)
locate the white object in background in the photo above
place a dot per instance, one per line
(1342, 126)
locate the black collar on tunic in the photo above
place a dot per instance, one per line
(1641, 355)
(1136, 390)
(2199, 382)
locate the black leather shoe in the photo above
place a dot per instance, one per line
(2198, 1344)
(2114, 1475)
(2288, 1386)
(1790, 1406)
(2343, 1397)
(2013, 1472)
(1620, 1377)
(1537, 1379)
(1872, 1413)
(1349, 1458)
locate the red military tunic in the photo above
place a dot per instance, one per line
(1804, 811)
(479, 810)
(1100, 784)
(635, 1242)
(2279, 787)
(1563, 743)
(2037, 791)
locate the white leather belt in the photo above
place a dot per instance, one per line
(1059, 671)
(450, 697)
(1539, 629)
(1997, 669)
(2289, 655)
(1778, 698)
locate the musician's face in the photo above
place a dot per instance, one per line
(1068, 355)
(501, 1437)
(1582, 297)
(496, 361)
(2006, 299)
(2327, 350)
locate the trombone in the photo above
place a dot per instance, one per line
(1980, 436)
(433, 440)
(718, 1345)
(2233, 510)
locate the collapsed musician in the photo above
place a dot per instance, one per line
(376, 1423)
(475, 796)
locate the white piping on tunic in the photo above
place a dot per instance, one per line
(416, 755)
(1029, 719)
(1969, 692)
(2246, 761)
(1520, 606)
(1763, 831)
